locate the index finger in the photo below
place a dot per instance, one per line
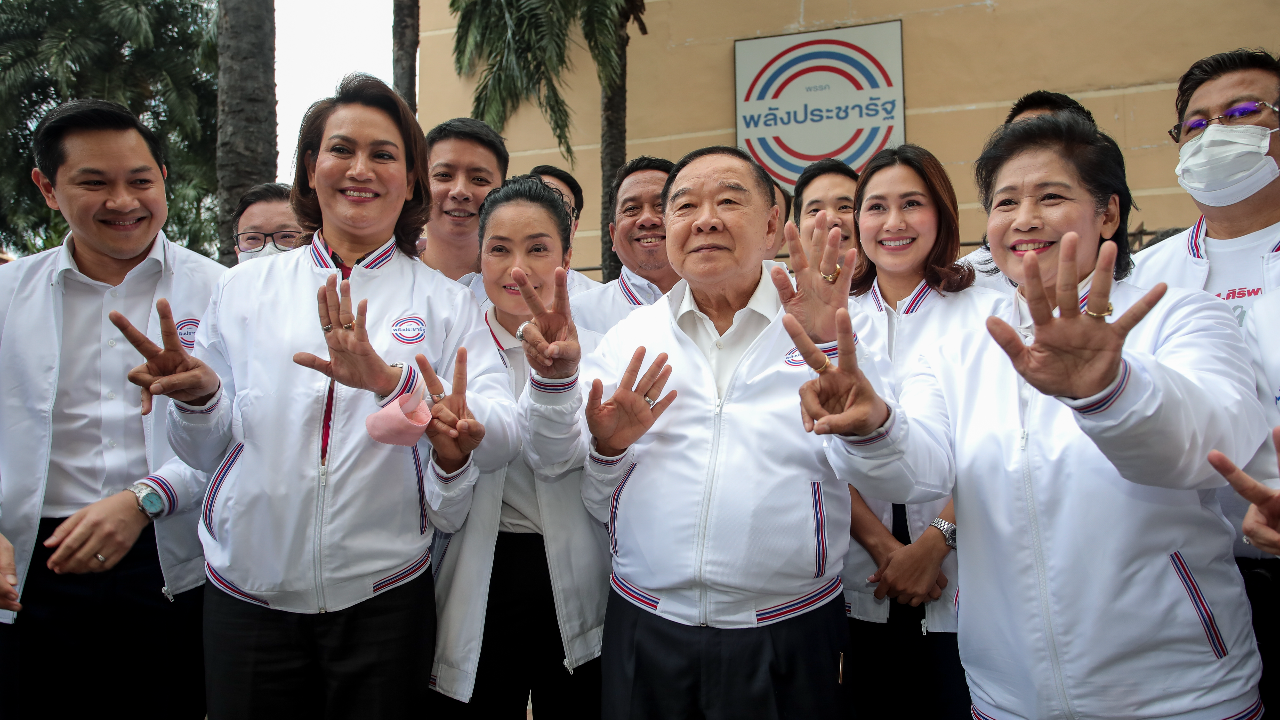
(815, 358)
(460, 372)
(135, 337)
(1248, 488)
(434, 386)
(531, 298)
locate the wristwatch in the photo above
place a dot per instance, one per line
(948, 531)
(149, 501)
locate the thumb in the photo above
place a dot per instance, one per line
(878, 575)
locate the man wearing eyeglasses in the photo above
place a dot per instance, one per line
(264, 223)
(570, 191)
(1227, 160)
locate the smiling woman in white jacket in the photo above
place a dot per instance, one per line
(1096, 566)
(317, 538)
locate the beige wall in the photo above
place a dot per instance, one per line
(964, 64)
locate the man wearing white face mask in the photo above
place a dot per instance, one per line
(264, 223)
(1227, 160)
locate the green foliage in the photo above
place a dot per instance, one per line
(157, 57)
(522, 46)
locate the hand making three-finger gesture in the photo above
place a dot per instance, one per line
(168, 370)
(453, 431)
(822, 282)
(841, 400)
(352, 359)
(1076, 354)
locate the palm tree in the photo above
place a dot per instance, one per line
(523, 47)
(246, 107)
(156, 57)
(404, 50)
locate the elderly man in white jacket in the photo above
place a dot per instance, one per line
(726, 524)
(1096, 563)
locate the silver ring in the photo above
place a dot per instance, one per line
(520, 330)
(1247, 541)
(99, 557)
(327, 328)
(651, 402)
(437, 398)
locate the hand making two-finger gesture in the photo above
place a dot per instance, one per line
(1076, 354)
(822, 285)
(168, 370)
(453, 431)
(352, 359)
(634, 407)
(841, 400)
(550, 339)
(1262, 521)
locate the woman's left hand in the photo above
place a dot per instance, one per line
(1075, 355)
(453, 431)
(352, 360)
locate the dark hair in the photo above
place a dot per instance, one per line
(474, 131)
(763, 183)
(361, 89)
(563, 176)
(1047, 100)
(266, 192)
(633, 166)
(527, 188)
(1094, 156)
(1215, 66)
(941, 271)
(74, 115)
(825, 166)
(787, 201)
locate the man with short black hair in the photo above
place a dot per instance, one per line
(1226, 108)
(465, 159)
(104, 571)
(264, 223)
(640, 240)
(570, 191)
(829, 185)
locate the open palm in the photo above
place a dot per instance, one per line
(625, 417)
(814, 300)
(352, 360)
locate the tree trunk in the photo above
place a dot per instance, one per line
(613, 152)
(404, 50)
(246, 154)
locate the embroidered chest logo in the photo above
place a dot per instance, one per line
(409, 330)
(187, 332)
(795, 359)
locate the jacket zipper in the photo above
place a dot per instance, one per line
(706, 507)
(330, 397)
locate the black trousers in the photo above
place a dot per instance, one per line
(1262, 585)
(522, 653)
(894, 670)
(371, 660)
(102, 643)
(659, 669)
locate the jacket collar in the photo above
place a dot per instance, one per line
(636, 290)
(764, 300)
(159, 254)
(1022, 313)
(322, 256)
(911, 304)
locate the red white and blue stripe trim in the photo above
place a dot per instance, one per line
(606, 461)
(553, 386)
(320, 252)
(446, 478)
(404, 575)
(614, 497)
(408, 381)
(202, 411)
(502, 352)
(632, 592)
(917, 298)
(422, 492)
(1216, 641)
(978, 714)
(230, 587)
(162, 486)
(382, 257)
(870, 439)
(875, 297)
(215, 486)
(1253, 712)
(1084, 298)
(800, 604)
(820, 530)
(627, 292)
(1106, 401)
(1194, 245)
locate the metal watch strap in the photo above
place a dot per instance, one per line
(948, 531)
(141, 489)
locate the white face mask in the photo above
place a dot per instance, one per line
(266, 250)
(1227, 164)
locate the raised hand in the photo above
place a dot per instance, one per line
(822, 283)
(1262, 521)
(352, 360)
(841, 400)
(550, 339)
(624, 418)
(453, 431)
(1077, 354)
(168, 370)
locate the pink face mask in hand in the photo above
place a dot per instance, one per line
(403, 421)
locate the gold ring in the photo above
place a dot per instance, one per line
(832, 278)
(825, 368)
(348, 326)
(1090, 313)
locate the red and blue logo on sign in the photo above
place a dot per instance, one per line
(815, 99)
(187, 332)
(409, 330)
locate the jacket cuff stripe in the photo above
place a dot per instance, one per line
(444, 477)
(553, 386)
(162, 486)
(186, 409)
(1108, 397)
(408, 382)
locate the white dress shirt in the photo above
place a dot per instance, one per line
(97, 415)
(520, 513)
(724, 351)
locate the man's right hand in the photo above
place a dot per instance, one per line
(550, 339)
(169, 370)
(8, 577)
(628, 415)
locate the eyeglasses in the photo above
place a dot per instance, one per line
(1242, 114)
(282, 239)
(568, 201)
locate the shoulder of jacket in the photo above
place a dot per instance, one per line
(1167, 250)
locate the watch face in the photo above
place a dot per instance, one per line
(152, 503)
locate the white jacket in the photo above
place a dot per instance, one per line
(1181, 261)
(1097, 568)
(280, 529)
(982, 263)
(726, 512)
(600, 308)
(30, 352)
(926, 318)
(577, 558)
